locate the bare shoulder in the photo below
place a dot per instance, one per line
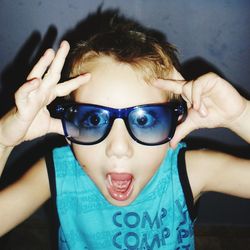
(216, 171)
(19, 200)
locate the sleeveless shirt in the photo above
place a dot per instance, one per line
(161, 217)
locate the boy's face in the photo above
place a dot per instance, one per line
(119, 166)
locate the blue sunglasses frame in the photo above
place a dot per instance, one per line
(177, 107)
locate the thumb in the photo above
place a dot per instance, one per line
(56, 126)
(182, 131)
(67, 87)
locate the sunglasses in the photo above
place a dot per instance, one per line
(150, 124)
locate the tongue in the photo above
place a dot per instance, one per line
(120, 181)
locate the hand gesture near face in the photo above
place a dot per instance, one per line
(212, 102)
(30, 118)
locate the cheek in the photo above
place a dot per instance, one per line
(86, 156)
(149, 161)
(144, 157)
(143, 164)
(92, 165)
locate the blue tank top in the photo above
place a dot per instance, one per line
(159, 218)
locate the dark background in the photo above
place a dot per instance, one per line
(210, 35)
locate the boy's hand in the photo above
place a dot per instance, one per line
(30, 118)
(212, 102)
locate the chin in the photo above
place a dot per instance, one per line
(117, 203)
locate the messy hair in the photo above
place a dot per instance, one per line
(151, 57)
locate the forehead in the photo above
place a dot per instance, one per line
(117, 85)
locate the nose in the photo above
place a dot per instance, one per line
(119, 142)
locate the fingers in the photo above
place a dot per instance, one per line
(67, 87)
(174, 83)
(182, 131)
(196, 95)
(24, 91)
(54, 72)
(52, 61)
(174, 86)
(176, 75)
(55, 126)
(191, 91)
(179, 87)
(42, 91)
(40, 68)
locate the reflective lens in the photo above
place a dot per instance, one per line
(150, 124)
(86, 124)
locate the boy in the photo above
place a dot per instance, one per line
(119, 184)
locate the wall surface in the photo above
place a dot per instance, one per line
(210, 35)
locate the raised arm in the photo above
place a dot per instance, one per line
(213, 102)
(28, 120)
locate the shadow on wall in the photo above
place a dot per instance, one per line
(197, 66)
(15, 73)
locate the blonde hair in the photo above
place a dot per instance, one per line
(151, 57)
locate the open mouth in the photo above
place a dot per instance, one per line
(120, 185)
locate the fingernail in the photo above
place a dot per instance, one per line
(48, 53)
(61, 44)
(64, 42)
